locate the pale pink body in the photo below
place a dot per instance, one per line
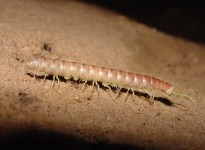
(92, 73)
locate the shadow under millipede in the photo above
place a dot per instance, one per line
(144, 96)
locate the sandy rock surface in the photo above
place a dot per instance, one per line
(75, 31)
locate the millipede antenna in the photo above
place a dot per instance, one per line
(184, 95)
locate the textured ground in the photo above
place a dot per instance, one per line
(34, 115)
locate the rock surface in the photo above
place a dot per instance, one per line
(64, 114)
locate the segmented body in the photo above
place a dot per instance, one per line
(111, 77)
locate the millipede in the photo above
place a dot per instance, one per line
(108, 77)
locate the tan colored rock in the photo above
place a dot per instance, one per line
(84, 33)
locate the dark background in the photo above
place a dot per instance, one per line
(182, 18)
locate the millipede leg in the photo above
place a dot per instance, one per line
(44, 78)
(133, 93)
(54, 77)
(151, 96)
(107, 86)
(34, 74)
(37, 72)
(98, 87)
(93, 84)
(58, 82)
(150, 99)
(118, 90)
(127, 94)
(75, 78)
(84, 84)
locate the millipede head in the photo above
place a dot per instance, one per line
(169, 91)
